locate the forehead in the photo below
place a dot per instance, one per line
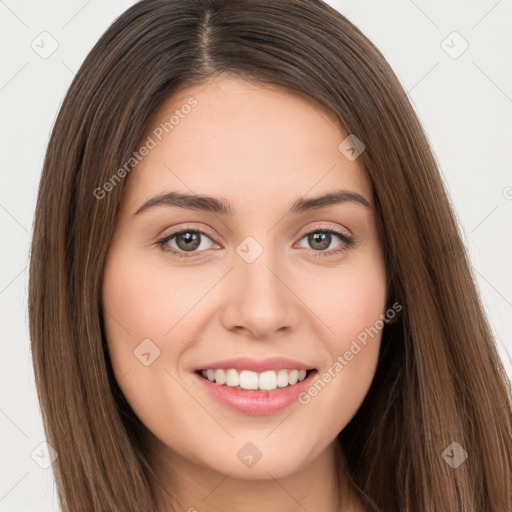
(255, 140)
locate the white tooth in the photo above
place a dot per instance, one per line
(268, 380)
(293, 377)
(282, 378)
(248, 379)
(220, 376)
(232, 378)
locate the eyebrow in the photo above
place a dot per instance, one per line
(212, 204)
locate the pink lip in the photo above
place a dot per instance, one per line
(256, 365)
(257, 403)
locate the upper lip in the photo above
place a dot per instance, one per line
(256, 365)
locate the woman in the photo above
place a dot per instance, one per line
(194, 347)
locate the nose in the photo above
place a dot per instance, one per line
(260, 298)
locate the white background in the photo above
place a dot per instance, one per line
(464, 103)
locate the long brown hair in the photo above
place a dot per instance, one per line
(439, 378)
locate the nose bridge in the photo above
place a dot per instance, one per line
(257, 266)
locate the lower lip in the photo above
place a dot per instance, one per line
(257, 403)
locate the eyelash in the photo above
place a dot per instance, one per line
(347, 242)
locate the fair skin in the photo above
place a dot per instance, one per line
(260, 148)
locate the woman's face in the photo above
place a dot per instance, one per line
(266, 286)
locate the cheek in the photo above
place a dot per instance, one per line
(350, 307)
(348, 301)
(150, 308)
(144, 300)
(134, 312)
(141, 304)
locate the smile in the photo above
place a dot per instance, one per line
(254, 381)
(255, 393)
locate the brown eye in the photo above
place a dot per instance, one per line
(186, 241)
(320, 239)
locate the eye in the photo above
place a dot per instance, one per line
(321, 238)
(185, 241)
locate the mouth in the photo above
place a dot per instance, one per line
(255, 393)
